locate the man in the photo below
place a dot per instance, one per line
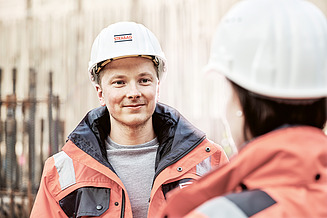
(273, 54)
(125, 156)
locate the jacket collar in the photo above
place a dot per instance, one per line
(175, 134)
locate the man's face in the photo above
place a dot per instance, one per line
(129, 88)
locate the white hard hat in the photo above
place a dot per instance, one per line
(275, 48)
(125, 39)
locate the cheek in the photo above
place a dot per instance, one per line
(111, 98)
(151, 93)
(157, 94)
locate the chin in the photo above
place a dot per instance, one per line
(136, 121)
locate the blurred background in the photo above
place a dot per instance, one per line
(44, 87)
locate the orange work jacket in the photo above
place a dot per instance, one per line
(79, 181)
(280, 174)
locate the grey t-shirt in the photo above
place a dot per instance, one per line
(134, 164)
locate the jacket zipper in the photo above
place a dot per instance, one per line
(178, 158)
(123, 204)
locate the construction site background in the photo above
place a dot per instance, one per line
(44, 87)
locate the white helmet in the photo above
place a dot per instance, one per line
(275, 48)
(125, 39)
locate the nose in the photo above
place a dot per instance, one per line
(133, 92)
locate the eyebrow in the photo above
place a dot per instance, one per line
(146, 74)
(117, 75)
(122, 76)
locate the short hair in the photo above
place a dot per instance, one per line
(263, 114)
(97, 76)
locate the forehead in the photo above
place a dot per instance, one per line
(131, 65)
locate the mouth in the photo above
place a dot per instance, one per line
(134, 106)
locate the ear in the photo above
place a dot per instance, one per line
(158, 93)
(100, 95)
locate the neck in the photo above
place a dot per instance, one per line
(131, 135)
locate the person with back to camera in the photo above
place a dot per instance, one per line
(274, 56)
(125, 156)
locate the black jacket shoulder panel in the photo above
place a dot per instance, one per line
(251, 201)
(176, 135)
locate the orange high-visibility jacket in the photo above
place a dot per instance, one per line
(280, 174)
(79, 181)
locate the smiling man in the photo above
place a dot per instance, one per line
(125, 156)
(129, 88)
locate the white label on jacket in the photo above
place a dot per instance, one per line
(185, 184)
(65, 169)
(203, 167)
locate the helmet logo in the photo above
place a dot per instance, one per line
(123, 37)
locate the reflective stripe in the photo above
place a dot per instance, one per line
(221, 207)
(203, 167)
(65, 169)
(251, 202)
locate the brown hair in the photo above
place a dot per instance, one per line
(263, 114)
(97, 75)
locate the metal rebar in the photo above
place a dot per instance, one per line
(23, 180)
(10, 161)
(14, 76)
(31, 126)
(53, 148)
(41, 145)
(31, 137)
(56, 129)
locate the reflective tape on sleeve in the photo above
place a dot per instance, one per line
(220, 207)
(203, 167)
(65, 169)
